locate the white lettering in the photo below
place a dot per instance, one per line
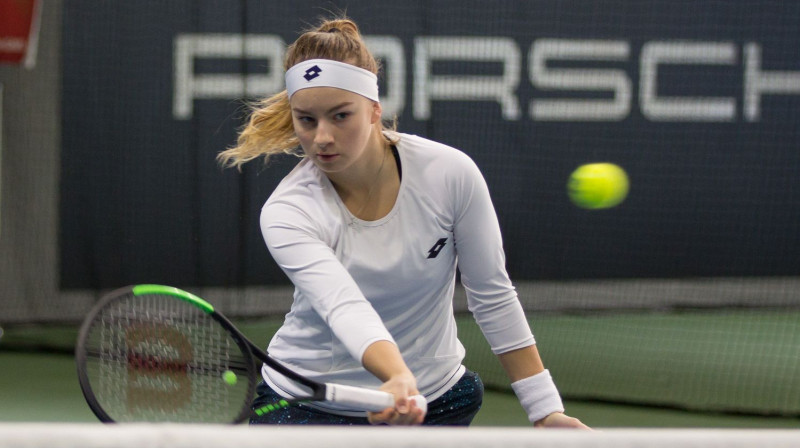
(429, 87)
(389, 50)
(501, 88)
(758, 83)
(658, 108)
(190, 86)
(12, 44)
(546, 78)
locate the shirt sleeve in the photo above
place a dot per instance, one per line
(491, 297)
(296, 246)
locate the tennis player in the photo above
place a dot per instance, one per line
(370, 227)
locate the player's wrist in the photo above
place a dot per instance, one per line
(539, 396)
(403, 381)
(404, 376)
(542, 422)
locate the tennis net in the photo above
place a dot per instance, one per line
(195, 436)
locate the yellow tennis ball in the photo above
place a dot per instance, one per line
(229, 377)
(598, 185)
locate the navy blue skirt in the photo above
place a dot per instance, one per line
(457, 407)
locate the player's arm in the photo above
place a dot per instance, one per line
(521, 363)
(383, 359)
(494, 303)
(535, 389)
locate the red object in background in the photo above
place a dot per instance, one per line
(19, 31)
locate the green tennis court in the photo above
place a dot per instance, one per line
(741, 361)
(44, 388)
(622, 370)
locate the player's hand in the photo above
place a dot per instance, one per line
(559, 420)
(405, 411)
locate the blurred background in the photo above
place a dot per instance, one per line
(679, 307)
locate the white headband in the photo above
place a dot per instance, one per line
(328, 73)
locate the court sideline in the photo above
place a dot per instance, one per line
(44, 388)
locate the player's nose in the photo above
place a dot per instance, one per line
(324, 135)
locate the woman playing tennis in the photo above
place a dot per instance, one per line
(370, 227)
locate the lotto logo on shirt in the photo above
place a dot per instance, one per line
(434, 251)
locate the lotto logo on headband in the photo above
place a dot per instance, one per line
(337, 74)
(312, 73)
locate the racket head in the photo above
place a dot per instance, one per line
(152, 353)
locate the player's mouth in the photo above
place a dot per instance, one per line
(327, 157)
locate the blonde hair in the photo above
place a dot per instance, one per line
(269, 129)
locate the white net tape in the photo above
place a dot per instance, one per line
(36, 435)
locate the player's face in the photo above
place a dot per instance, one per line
(334, 126)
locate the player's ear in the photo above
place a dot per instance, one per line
(377, 112)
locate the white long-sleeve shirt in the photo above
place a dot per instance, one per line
(358, 282)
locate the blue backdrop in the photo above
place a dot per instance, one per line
(697, 100)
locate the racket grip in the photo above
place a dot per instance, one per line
(366, 399)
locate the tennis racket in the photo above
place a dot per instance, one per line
(154, 353)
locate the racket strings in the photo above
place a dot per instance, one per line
(170, 359)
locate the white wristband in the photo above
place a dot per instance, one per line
(538, 396)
